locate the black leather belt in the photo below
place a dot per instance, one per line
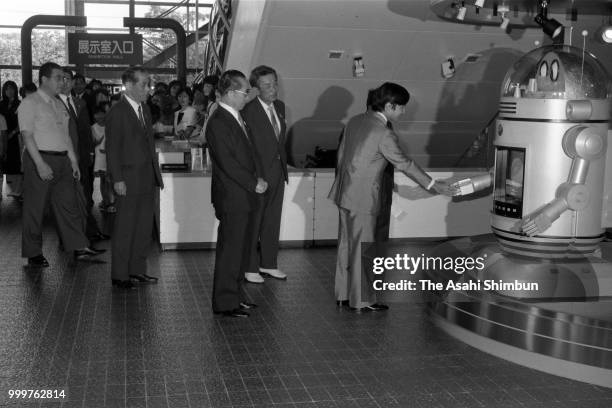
(53, 153)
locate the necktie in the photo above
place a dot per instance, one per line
(71, 106)
(274, 121)
(140, 117)
(241, 122)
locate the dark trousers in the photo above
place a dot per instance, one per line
(383, 219)
(62, 194)
(132, 233)
(266, 227)
(87, 177)
(231, 257)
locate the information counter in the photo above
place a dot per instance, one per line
(187, 218)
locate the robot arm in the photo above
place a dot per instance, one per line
(569, 196)
(582, 145)
(473, 184)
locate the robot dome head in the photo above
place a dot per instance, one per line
(557, 72)
(550, 76)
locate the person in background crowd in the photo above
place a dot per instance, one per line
(199, 104)
(156, 98)
(236, 183)
(368, 144)
(209, 85)
(114, 99)
(92, 88)
(80, 87)
(50, 170)
(211, 109)
(94, 85)
(80, 134)
(164, 126)
(13, 146)
(174, 88)
(161, 87)
(196, 90)
(101, 95)
(97, 131)
(133, 167)
(265, 117)
(185, 118)
(3, 143)
(27, 89)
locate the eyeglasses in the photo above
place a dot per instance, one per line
(243, 92)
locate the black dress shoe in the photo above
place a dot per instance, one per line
(234, 313)
(144, 278)
(94, 251)
(87, 253)
(376, 307)
(123, 284)
(38, 261)
(341, 303)
(100, 237)
(247, 305)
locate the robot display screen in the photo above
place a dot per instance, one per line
(509, 178)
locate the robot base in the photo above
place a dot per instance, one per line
(564, 327)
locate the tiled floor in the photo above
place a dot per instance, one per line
(65, 328)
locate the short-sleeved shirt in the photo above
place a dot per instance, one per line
(47, 119)
(188, 117)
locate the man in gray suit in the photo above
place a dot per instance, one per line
(368, 145)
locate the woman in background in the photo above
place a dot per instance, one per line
(13, 147)
(186, 117)
(99, 137)
(163, 126)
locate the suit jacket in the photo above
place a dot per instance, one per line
(366, 148)
(86, 148)
(268, 147)
(234, 164)
(79, 130)
(130, 149)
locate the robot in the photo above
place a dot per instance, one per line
(551, 196)
(552, 179)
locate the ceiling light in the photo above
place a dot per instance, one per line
(551, 27)
(461, 13)
(504, 23)
(606, 34)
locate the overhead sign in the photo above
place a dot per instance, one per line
(114, 49)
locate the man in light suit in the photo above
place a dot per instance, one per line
(235, 186)
(134, 170)
(368, 144)
(265, 118)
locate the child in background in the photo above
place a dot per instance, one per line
(97, 132)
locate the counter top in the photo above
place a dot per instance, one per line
(168, 146)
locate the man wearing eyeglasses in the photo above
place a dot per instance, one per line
(236, 183)
(50, 168)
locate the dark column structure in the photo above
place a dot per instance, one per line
(181, 41)
(26, 37)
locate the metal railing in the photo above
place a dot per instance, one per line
(218, 33)
(157, 49)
